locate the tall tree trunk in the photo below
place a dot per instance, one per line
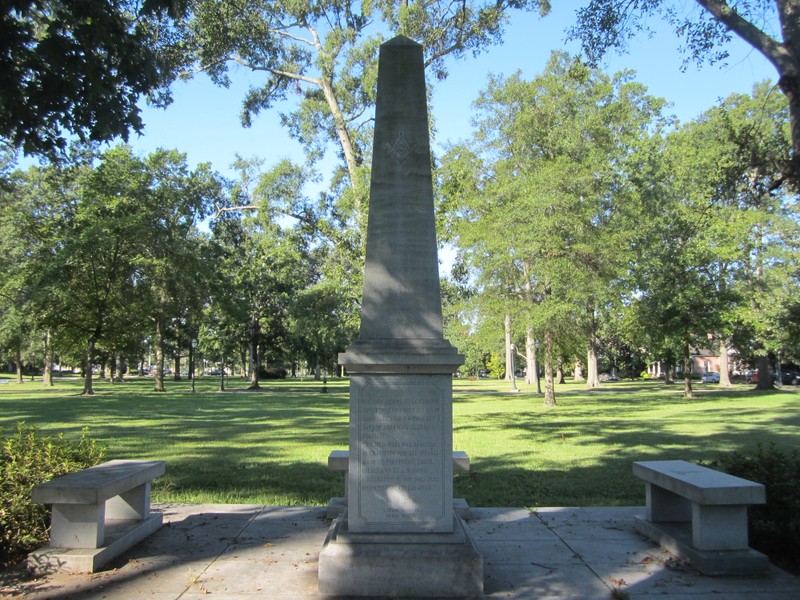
(317, 372)
(687, 373)
(112, 367)
(724, 366)
(254, 364)
(88, 388)
(549, 388)
(578, 376)
(509, 360)
(47, 375)
(532, 370)
(119, 375)
(667, 372)
(347, 146)
(191, 362)
(592, 375)
(159, 343)
(176, 375)
(18, 361)
(560, 370)
(764, 376)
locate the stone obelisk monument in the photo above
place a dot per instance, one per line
(399, 535)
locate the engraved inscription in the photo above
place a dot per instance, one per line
(400, 458)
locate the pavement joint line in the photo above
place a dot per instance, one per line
(211, 562)
(575, 553)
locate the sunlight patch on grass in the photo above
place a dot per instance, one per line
(271, 446)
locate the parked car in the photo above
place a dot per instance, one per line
(788, 377)
(608, 377)
(710, 378)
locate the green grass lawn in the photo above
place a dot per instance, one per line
(271, 446)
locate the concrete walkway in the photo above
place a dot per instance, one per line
(239, 552)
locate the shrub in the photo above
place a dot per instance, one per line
(278, 373)
(27, 459)
(774, 526)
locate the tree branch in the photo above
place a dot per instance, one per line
(223, 209)
(278, 72)
(771, 49)
(296, 38)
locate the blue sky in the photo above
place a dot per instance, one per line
(204, 122)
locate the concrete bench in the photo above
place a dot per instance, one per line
(700, 515)
(98, 513)
(339, 460)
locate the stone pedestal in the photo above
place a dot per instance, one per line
(397, 565)
(399, 535)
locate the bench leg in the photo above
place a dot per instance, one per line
(719, 527)
(77, 525)
(133, 504)
(665, 506)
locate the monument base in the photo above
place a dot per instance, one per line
(400, 564)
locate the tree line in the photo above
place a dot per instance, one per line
(106, 262)
(590, 222)
(581, 213)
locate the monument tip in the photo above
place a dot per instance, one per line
(401, 40)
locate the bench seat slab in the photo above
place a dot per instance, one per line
(700, 484)
(99, 483)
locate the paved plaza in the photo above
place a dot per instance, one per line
(240, 552)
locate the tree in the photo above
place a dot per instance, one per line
(99, 246)
(608, 24)
(91, 275)
(538, 223)
(702, 266)
(321, 324)
(37, 205)
(169, 272)
(266, 256)
(327, 54)
(743, 143)
(78, 68)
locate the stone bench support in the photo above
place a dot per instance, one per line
(701, 515)
(97, 513)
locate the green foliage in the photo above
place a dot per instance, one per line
(547, 249)
(77, 68)
(99, 252)
(28, 459)
(717, 256)
(496, 365)
(768, 26)
(774, 526)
